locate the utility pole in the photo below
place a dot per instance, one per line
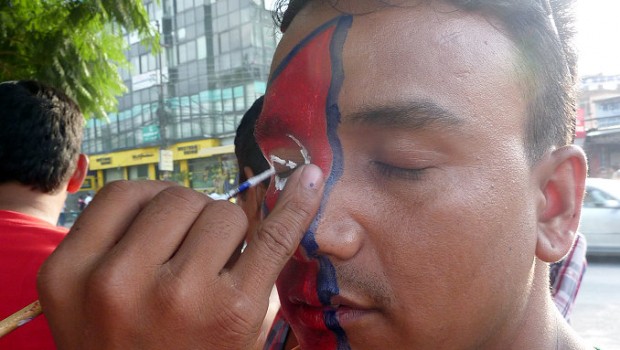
(165, 155)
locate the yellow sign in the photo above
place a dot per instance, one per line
(124, 158)
(200, 149)
(180, 151)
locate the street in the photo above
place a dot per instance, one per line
(596, 315)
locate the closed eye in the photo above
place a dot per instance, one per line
(391, 171)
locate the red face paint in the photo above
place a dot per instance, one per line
(300, 107)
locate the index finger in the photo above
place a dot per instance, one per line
(107, 218)
(281, 232)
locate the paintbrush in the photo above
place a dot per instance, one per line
(251, 182)
(20, 318)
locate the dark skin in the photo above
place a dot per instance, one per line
(111, 269)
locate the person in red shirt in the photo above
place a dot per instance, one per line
(40, 162)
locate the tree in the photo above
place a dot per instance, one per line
(75, 45)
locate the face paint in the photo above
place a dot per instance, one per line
(279, 180)
(300, 114)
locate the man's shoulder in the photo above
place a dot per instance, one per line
(15, 223)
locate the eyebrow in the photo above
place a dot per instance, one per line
(412, 115)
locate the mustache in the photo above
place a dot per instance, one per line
(358, 282)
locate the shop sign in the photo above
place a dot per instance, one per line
(166, 162)
(150, 133)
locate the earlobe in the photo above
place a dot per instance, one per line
(79, 174)
(562, 177)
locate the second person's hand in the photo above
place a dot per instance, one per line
(148, 266)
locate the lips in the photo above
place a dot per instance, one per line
(346, 311)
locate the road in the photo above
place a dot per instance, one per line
(596, 315)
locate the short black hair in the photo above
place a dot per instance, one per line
(246, 149)
(41, 132)
(543, 32)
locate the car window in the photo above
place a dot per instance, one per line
(594, 197)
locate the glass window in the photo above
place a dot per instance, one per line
(221, 6)
(200, 13)
(144, 63)
(186, 129)
(182, 53)
(217, 106)
(224, 62)
(234, 19)
(191, 50)
(235, 39)
(225, 42)
(138, 172)
(201, 47)
(228, 105)
(235, 59)
(135, 65)
(152, 62)
(246, 14)
(223, 25)
(240, 104)
(246, 35)
(114, 174)
(190, 31)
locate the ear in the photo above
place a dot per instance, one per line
(561, 178)
(79, 174)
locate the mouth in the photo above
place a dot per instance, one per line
(346, 312)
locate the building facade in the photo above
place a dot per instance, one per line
(178, 118)
(599, 104)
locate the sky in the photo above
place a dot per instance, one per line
(598, 35)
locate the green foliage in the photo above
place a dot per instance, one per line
(75, 45)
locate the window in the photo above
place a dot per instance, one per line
(201, 47)
(191, 50)
(225, 42)
(595, 198)
(235, 39)
(135, 65)
(138, 172)
(221, 7)
(182, 53)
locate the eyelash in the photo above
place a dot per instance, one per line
(387, 170)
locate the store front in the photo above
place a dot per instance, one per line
(202, 164)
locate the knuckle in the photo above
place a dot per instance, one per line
(224, 218)
(50, 284)
(181, 198)
(173, 294)
(109, 289)
(115, 188)
(234, 318)
(278, 236)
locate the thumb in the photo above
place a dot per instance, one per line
(280, 233)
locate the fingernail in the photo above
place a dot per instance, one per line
(310, 176)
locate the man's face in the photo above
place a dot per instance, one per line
(426, 234)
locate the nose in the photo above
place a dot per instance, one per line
(339, 235)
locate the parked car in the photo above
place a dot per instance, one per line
(600, 216)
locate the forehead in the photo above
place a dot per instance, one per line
(459, 60)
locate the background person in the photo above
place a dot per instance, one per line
(40, 162)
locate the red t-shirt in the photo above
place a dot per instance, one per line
(25, 242)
